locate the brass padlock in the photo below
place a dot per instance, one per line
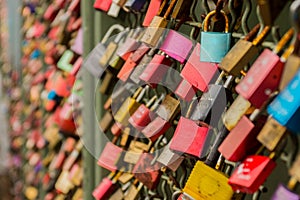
(157, 25)
(169, 108)
(271, 134)
(242, 52)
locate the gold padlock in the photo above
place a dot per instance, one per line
(155, 30)
(129, 106)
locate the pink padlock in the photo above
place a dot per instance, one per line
(185, 90)
(156, 128)
(177, 46)
(198, 73)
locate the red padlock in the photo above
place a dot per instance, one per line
(147, 173)
(156, 70)
(241, 140)
(102, 4)
(156, 128)
(251, 173)
(143, 115)
(153, 9)
(198, 73)
(110, 156)
(262, 79)
(126, 69)
(190, 138)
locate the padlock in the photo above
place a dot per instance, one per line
(211, 40)
(241, 140)
(156, 28)
(91, 63)
(63, 183)
(106, 187)
(73, 156)
(129, 106)
(114, 10)
(138, 70)
(110, 156)
(282, 193)
(178, 50)
(102, 5)
(146, 173)
(77, 47)
(211, 105)
(126, 69)
(131, 44)
(153, 8)
(290, 69)
(185, 90)
(235, 112)
(133, 191)
(243, 51)
(156, 128)
(252, 173)
(205, 182)
(117, 195)
(74, 6)
(189, 138)
(264, 75)
(198, 73)
(156, 70)
(169, 108)
(170, 159)
(107, 57)
(285, 107)
(271, 134)
(144, 114)
(108, 83)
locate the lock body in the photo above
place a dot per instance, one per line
(251, 173)
(146, 173)
(271, 134)
(190, 138)
(198, 73)
(185, 90)
(235, 112)
(154, 31)
(283, 193)
(170, 159)
(109, 156)
(104, 189)
(214, 46)
(238, 57)
(141, 117)
(262, 79)
(156, 128)
(178, 50)
(241, 141)
(169, 108)
(127, 109)
(155, 70)
(290, 69)
(285, 107)
(207, 183)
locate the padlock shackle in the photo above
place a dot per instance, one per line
(261, 36)
(210, 15)
(253, 32)
(111, 29)
(284, 39)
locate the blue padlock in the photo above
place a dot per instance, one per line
(285, 108)
(214, 45)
